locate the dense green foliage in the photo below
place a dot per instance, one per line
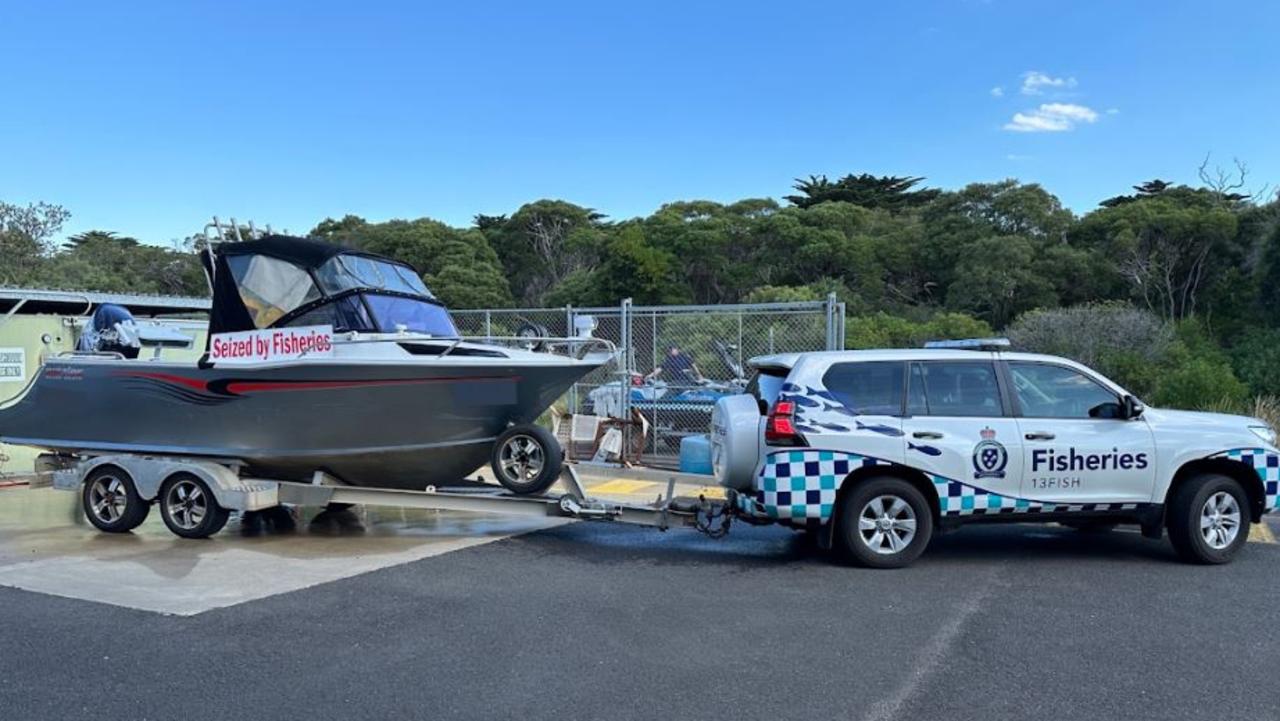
(1183, 269)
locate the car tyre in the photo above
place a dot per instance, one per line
(526, 459)
(884, 522)
(111, 501)
(1208, 519)
(189, 508)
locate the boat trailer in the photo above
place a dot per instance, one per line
(149, 477)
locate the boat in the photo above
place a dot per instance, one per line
(318, 358)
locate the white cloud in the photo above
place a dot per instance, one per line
(1016, 157)
(1052, 118)
(997, 92)
(1035, 82)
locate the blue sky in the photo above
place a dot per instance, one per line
(147, 118)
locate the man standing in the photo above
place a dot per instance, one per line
(677, 367)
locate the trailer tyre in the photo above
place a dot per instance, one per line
(189, 508)
(111, 501)
(527, 459)
(884, 523)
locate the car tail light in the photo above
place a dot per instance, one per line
(780, 429)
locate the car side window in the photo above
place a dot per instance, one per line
(867, 388)
(1051, 391)
(955, 389)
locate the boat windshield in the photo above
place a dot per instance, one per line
(392, 313)
(377, 313)
(345, 272)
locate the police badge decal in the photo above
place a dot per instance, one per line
(989, 457)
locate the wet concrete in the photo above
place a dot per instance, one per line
(47, 546)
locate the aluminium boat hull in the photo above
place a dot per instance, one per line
(390, 425)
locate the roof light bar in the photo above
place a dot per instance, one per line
(987, 344)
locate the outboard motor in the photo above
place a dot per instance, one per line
(112, 329)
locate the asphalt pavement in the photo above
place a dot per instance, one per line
(589, 621)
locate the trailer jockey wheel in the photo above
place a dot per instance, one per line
(527, 459)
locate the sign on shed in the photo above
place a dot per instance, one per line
(13, 365)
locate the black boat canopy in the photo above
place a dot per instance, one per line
(280, 280)
(303, 252)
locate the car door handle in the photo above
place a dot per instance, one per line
(1040, 436)
(927, 435)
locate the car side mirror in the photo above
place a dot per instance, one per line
(1108, 411)
(1132, 407)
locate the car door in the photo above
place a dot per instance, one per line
(1078, 449)
(959, 428)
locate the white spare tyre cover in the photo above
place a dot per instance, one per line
(736, 425)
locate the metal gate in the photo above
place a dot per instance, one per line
(674, 361)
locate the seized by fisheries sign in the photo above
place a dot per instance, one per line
(13, 365)
(272, 344)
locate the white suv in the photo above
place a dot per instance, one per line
(876, 448)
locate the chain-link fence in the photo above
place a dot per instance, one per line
(674, 363)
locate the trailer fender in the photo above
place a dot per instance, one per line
(149, 473)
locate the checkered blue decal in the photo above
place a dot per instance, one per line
(1267, 466)
(802, 485)
(961, 499)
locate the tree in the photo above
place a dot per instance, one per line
(542, 243)
(98, 236)
(634, 269)
(720, 251)
(108, 264)
(1166, 247)
(996, 280)
(882, 330)
(1269, 292)
(886, 192)
(459, 266)
(25, 233)
(1143, 190)
(1093, 332)
(1256, 360)
(336, 229)
(1004, 208)
(466, 273)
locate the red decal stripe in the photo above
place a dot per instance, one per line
(167, 378)
(239, 387)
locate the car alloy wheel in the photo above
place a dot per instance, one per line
(887, 524)
(1220, 520)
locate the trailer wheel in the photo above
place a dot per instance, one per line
(111, 501)
(189, 508)
(527, 459)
